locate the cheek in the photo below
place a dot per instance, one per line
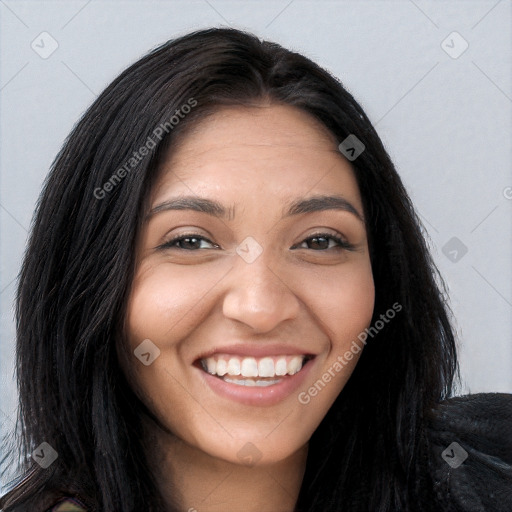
(162, 300)
(355, 300)
(342, 301)
(161, 307)
(344, 306)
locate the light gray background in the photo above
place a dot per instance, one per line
(445, 121)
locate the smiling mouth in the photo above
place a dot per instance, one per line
(253, 371)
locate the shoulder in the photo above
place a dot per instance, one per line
(470, 441)
(68, 505)
(47, 502)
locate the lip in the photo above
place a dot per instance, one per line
(257, 396)
(260, 350)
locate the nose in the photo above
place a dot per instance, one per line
(258, 297)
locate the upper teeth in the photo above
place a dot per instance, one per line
(253, 367)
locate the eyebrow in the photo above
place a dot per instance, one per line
(299, 206)
(321, 203)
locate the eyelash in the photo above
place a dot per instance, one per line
(342, 243)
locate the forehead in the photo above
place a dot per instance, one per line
(287, 123)
(276, 148)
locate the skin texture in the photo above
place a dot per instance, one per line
(254, 161)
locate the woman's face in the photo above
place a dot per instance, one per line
(250, 286)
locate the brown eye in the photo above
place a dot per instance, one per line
(318, 242)
(323, 242)
(188, 243)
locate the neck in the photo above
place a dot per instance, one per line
(190, 480)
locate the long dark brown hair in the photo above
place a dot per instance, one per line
(79, 266)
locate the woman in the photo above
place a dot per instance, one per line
(227, 304)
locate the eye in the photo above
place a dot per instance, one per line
(188, 242)
(316, 242)
(323, 242)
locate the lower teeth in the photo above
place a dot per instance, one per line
(251, 382)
